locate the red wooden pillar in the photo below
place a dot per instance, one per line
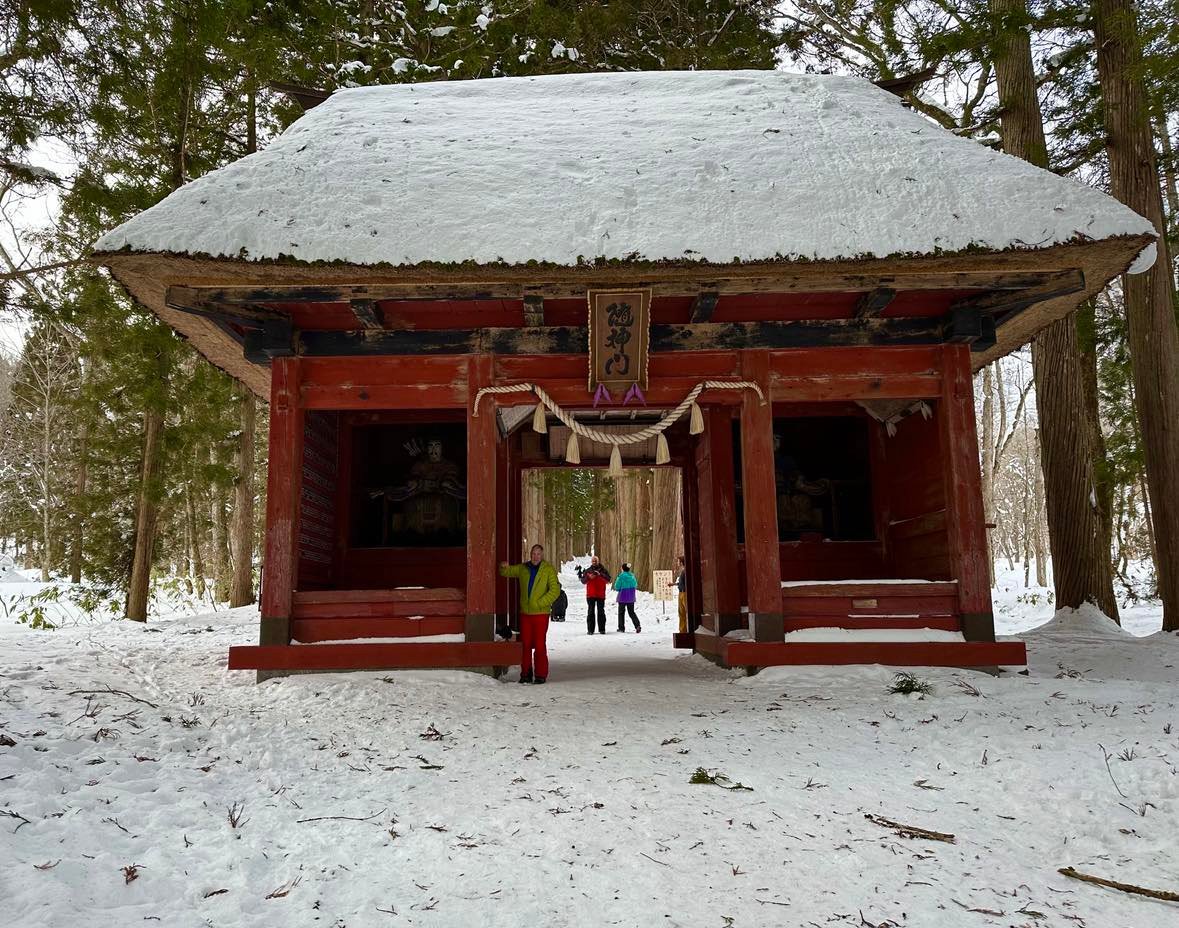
(965, 521)
(690, 505)
(283, 485)
(503, 519)
(763, 564)
(720, 595)
(481, 503)
(515, 526)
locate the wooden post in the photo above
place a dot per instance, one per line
(691, 509)
(283, 483)
(763, 565)
(718, 567)
(503, 521)
(965, 520)
(481, 503)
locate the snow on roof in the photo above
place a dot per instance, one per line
(707, 165)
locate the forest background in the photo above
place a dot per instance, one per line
(128, 463)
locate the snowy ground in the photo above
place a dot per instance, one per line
(442, 799)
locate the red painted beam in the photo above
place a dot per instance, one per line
(408, 656)
(376, 610)
(335, 629)
(888, 653)
(869, 589)
(441, 593)
(948, 623)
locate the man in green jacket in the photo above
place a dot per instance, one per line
(539, 589)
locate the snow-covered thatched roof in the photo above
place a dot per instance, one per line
(566, 169)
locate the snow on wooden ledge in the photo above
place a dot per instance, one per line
(872, 634)
(890, 580)
(717, 166)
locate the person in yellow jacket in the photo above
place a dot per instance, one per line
(539, 589)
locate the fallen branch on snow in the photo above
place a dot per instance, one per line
(1114, 884)
(911, 831)
(110, 692)
(338, 818)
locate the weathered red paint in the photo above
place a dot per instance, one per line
(481, 485)
(763, 567)
(375, 656)
(965, 521)
(282, 489)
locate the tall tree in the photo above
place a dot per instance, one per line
(1149, 297)
(1069, 443)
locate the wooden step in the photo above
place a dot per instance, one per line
(948, 623)
(738, 653)
(335, 629)
(410, 656)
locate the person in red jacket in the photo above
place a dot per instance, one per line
(595, 577)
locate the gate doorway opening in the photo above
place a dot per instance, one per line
(576, 513)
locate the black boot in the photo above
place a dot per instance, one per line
(526, 676)
(538, 680)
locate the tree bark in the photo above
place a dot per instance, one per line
(1149, 297)
(1068, 442)
(194, 537)
(145, 517)
(220, 565)
(76, 530)
(664, 505)
(241, 588)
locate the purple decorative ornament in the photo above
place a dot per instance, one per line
(634, 393)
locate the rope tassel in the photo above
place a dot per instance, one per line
(662, 454)
(538, 419)
(696, 421)
(572, 451)
(615, 469)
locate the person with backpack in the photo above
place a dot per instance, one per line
(595, 577)
(627, 587)
(539, 589)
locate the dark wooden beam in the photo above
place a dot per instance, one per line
(987, 337)
(962, 324)
(872, 303)
(661, 286)
(366, 313)
(572, 339)
(703, 306)
(195, 302)
(306, 97)
(907, 83)
(1009, 302)
(533, 310)
(264, 344)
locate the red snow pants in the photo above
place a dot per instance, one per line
(534, 629)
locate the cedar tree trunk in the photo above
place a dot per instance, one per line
(241, 587)
(1068, 441)
(1149, 297)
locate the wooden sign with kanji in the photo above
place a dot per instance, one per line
(619, 339)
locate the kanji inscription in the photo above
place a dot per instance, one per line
(619, 338)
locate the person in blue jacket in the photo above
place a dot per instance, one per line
(626, 586)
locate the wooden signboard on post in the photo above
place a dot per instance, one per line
(663, 583)
(619, 339)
